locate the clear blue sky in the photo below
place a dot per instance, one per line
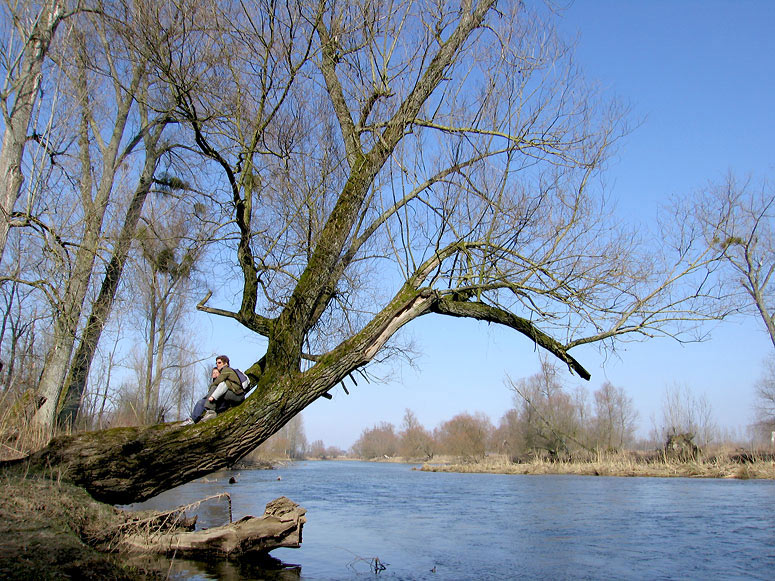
(700, 75)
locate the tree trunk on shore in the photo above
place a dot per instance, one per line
(124, 465)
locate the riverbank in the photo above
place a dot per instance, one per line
(52, 530)
(739, 466)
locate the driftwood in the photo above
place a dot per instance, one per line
(280, 526)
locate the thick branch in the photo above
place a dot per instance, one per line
(252, 321)
(315, 284)
(483, 312)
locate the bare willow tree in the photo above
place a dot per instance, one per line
(615, 417)
(464, 436)
(683, 412)
(414, 440)
(28, 31)
(380, 441)
(386, 161)
(738, 217)
(548, 418)
(163, 286)
(107, 80)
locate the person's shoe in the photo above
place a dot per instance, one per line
(209, 414)
(187, 422)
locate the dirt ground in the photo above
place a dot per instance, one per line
(49, 530)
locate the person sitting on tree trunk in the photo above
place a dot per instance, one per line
(199, 407)
(228, 388)
(225, 391)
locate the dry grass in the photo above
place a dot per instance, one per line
(18, 435)
(743, 466)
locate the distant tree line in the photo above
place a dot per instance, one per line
(291, 443)
(550, 419)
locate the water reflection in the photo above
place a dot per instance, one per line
(268, 568)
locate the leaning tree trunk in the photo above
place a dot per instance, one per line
(124, 465)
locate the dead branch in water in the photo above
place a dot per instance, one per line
(279, 526)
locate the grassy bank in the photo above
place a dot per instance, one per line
(742, 466)
(52, 530)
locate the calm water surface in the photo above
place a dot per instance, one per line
(436, 526)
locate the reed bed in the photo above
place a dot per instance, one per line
(741, 466)
(19, 436)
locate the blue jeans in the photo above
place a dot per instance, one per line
(228, 400)
(199, 409)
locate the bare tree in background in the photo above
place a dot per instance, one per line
(548, 419)
(739, 218)
(381, 441)
(465, 436)
(415, 440)
(615, 417)
(170, 247)
(683, 412)
(508, 436)
(22, 355)
(288, 442)
(765, 404)
(97, 403)
(106, 82)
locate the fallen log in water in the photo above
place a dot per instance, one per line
(279, 526)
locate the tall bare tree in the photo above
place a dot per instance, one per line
(381, 441)
(414, 440)
(739, 218)
(383, 162)
(103, 152)
(162, 287)
(465, 436)
(615, 417)
(29, 31)
(683, 412)
(21, 357)
(547, 417)
(73, 389)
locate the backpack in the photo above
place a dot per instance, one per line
(243, 379)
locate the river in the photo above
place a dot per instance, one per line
(441, 526)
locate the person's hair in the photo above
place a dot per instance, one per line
(223, 358)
